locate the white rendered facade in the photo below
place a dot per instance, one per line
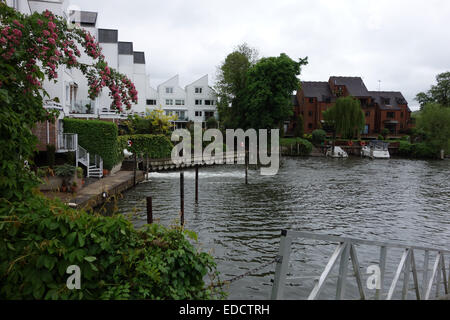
(196, 102)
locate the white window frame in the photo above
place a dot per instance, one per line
(198, 90)
(180, 102)
(198, 102)
(169, 90)
(169, 102)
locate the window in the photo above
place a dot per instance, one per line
(151, 102)
(310, 113)
(169, 102)
(391, 115)
(198, 102)
(179, 102)
(367, 114)
(401, 115)
(169, 90)
(198, 90)
(328, 100)
(386, 101)
(310, 126)
(311, 100)
(209, 102)
(198, 113)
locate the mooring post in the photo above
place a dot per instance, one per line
(196, 184)
(182, 197)
(149, 210)
(246, 167)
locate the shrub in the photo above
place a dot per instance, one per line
(305, 147)
(153, 146)
(405, 149)
(211, 123)
(319, 136)
(97, 137)
(41, 238)
(299, 127)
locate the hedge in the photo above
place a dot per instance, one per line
(152, 146)
(305, 147)
(418, 150)
(97, 137)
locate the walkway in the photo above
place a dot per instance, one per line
(92, 195)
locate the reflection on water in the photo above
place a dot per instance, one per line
(396, 200)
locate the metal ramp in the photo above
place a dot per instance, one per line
(346, 252)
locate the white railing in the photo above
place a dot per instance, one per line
(436, 277)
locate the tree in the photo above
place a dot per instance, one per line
(268, 96)
(346, 117)
(31, 50)
(299, 127)
(439, 93)
(232, 82)
(435, 123)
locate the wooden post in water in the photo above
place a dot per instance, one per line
(149, 210)
(182, 197)
(196, 184)
(246, 167)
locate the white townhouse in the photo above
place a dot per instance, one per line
(196, 102)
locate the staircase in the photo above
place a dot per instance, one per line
(94, 165)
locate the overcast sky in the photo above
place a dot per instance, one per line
(402, 43)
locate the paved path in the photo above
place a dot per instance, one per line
(92, 195)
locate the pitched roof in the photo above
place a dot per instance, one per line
(126, 48)
(108, 36)
(85, 18)
(389, 100)
(354, 85)
(139, 57)
(319, 90)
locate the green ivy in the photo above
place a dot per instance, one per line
(153, 146)
(41, 238)
(97, 137)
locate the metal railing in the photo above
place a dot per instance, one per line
(67, 142)
(346, 251)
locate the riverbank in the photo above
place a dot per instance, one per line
(98, 192)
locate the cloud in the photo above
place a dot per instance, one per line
(402, 43)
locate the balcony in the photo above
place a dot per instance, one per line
(83, 107)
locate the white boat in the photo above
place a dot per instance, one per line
(338, 152)
(376, 150)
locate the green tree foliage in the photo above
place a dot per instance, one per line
(439, 93)
(434, 121)
(154, 122)
(211, 123)
(304, 146)
(97, 137)
(346, 117)
(231, 84)
(41, 238)
(270, 84)
(147, 145)
(319, 136)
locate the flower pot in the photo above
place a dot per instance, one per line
(105, 172)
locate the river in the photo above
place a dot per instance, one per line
(395, 200)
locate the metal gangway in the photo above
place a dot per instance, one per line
(346, 252)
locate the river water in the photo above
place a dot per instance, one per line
(395, 200)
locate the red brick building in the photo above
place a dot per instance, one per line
(382, 109)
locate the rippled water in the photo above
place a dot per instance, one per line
(396, 200)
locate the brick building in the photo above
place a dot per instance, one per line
(382, 109)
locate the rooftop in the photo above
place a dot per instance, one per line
(354, 85)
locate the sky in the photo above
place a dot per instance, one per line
(396, 45)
